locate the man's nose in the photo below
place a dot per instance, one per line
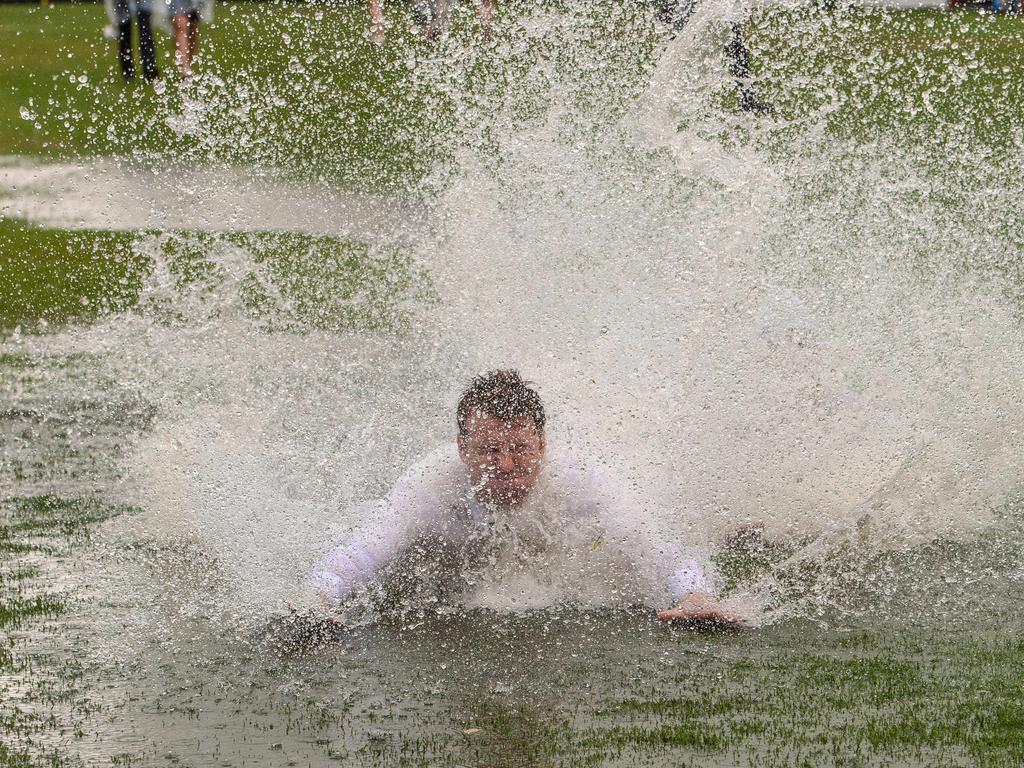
(504, 462)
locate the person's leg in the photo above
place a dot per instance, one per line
(122, 22)
(485, 13)
(678, 12)
(147, 52)
(739, 63)
(675, 13)
(180, 23)
(438, 20)
(377, 21)
(193, 36)
(124, 49)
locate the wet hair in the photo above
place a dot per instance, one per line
(502, 394)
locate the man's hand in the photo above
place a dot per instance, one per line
(700, 610)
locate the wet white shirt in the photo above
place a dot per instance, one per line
(579, 537)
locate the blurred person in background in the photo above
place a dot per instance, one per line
(676, 13)
(185, 16)
(121, 13)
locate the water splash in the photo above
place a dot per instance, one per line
(765, 319)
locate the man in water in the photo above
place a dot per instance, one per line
(501, 522)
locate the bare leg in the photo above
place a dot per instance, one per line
(182, 55)
(377, 22)
(186, 39)
(485, 12)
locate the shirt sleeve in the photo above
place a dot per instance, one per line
(693, 573)
(347, 568)
(388, 528)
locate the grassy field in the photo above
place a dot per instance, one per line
(296, 89)
(306, 93)
(50, 277)
(585, 690)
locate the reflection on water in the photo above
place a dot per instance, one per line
(554, 687)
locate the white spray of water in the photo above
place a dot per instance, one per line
(749, 354)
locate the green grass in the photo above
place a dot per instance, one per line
(68, 519)
(39, 525)
(14, 611)
(591, 692)
(786, 696)
(942, 78)
(348, 118)
(51, 277)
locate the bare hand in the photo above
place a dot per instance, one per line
(700, 611)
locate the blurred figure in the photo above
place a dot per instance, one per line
(676, 13)
(121, 13)
(431, 16)
(185, 17)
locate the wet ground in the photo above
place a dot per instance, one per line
(125, 638)
(125, 649)
(104, 194)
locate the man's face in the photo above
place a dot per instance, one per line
(504, 458)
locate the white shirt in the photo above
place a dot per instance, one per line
(579, 537)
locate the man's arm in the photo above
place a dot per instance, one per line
(694, 592)
(688, 581)
(386, 528)
(349, 567)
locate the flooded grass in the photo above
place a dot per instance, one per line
(121, 652)
(45, 526)
(284, 280)
(558, 688)
(38, 536)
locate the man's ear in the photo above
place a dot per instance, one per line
(460, 441)
(543, 441)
